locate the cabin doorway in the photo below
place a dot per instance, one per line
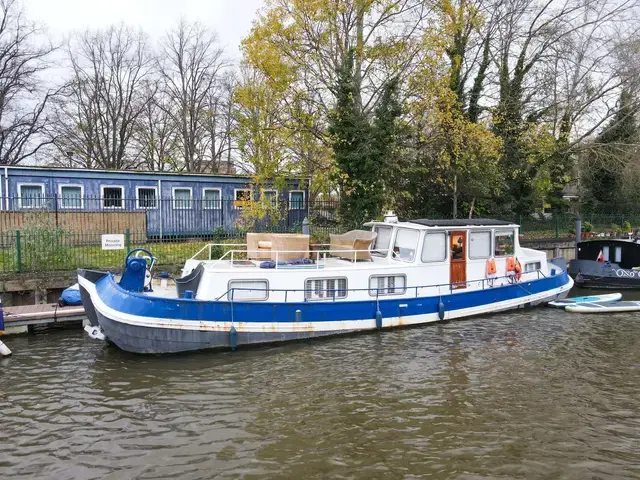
(458, 249)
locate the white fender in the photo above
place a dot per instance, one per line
(4, 350)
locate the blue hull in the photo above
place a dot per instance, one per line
(144, 324)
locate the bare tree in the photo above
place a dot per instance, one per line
(219, 122)
(97, 118)
(23, 118)
(156, 133)
(190, 67)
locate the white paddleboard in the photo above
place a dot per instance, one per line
(606, 307)
(610, 297)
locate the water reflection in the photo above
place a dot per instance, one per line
(537, 394)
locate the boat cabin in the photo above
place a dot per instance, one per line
(623, 252)
(412, 258)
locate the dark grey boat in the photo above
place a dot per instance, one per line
(607, 263)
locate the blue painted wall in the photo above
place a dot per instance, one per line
(165, 219)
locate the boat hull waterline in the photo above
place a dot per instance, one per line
(145, 324)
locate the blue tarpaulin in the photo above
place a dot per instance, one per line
(70, 296)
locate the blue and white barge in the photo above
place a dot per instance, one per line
(411, 273)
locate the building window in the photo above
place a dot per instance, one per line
(248, 290)
(479, 244)
(31, 195)
(211, 199)
(296, 200)
(241, 198)
(270, 197)
(404, 248)
(532, 267)
(503, 243)
(146, 197)
(387, 285)
(325, 289)
(181, 198)
(435, 247)
(112, 197)
(71, 196)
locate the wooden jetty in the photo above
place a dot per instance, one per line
(21, 319)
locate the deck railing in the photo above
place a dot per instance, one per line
(484, 283)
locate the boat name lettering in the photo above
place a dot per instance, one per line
(625, 273)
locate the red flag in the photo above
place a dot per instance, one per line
(600, 257)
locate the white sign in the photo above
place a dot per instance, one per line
(113, 242)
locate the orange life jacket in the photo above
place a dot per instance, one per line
(511, 264)
(491, 266)
(518, 269)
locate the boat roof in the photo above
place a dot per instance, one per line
(421, 223)
(460, 222)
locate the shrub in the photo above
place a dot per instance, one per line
(45, 248)
(626, 227)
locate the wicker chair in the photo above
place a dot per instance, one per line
(353, 240)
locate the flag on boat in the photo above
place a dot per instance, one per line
(600, 257)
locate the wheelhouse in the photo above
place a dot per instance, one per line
(625, 253)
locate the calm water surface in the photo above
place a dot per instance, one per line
(536, 394)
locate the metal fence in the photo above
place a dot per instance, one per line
(40, 234)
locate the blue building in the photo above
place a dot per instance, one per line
(174, 204)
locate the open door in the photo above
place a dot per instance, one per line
(458, 249)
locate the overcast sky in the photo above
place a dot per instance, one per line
(232, 19)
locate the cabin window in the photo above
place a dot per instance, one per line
(146, 197)
(406, 243)
(113, 197)
(435, 247)
(605, 253)
(479, 244)
(71, 196)
(382, 241)
(325, 288)
(241, 198)
(181, 198)
(248, 290)
(296, 200)
(387, 285)
(532, 266)
(31, 196)
(211, 199)
(618, 254)
(503, 243)
(270, 197)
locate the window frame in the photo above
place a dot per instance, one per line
(446, 246)
(494, 243)
(373, 293)
(415, 250)
(304, 199)
(491, 241)
(31, 184)
(389, 248)
(235, 197)
(103, 198)
(156, 201)
(536, 262)
(61, 197)
(218, 202)
(174, 200)
(273, 190)
(334, 298)
(267, 290)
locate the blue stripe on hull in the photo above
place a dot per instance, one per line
(195, 310)
(138, 339)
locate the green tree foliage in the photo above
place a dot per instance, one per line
(361, 147)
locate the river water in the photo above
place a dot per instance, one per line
(534, 394)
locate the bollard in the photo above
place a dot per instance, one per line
(305, 226)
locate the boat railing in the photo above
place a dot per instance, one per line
(319, 256)
(442, 288)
